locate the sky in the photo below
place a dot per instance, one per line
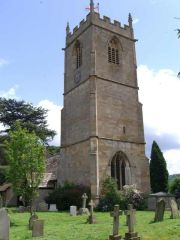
(32, 35)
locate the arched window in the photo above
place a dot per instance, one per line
(78, 54)
(118, 169)
(113, 51)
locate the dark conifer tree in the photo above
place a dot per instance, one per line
(158, 170)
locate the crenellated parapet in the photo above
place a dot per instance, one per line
(93, 18)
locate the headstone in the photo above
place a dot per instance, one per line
(31, 219)
(4, 224)
(84, 210)
(160, 208)
(38, 228)
(73, 210)
(84, 198)
(130, 213)
(21, 209)
(115, 214)
(42, 207)
(52, 208)
(174, 209)
(91, 219)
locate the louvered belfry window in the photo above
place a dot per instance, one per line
(113, 52)
(78, 53)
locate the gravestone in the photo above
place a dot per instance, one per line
(73, 210)
(160, 208)
(115, 214)
(91, 219)
(4, 224)
(84, 210)
(130, 213)
(31, 219)
(52, 208)
(42, 207)
(21, 209)
(38, 228)
(84, 198)
(174, 209)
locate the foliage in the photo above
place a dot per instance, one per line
(158, 170)
(133, 196)
(2, 176)
(178, 33)
(67, 195)
(26, 155)
(62, 226)
(174, 187)
(52, 150)
(30, 117)
(109, 196)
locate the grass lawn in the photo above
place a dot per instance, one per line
(61, 226)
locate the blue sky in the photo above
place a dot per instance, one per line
(32, 34)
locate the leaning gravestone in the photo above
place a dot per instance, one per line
(174, 209)
(130, 213)
(115, 214)
(160, 208)
(38, 228)
(73, 210)
(32, 218)
(4, 224)
(91, 219)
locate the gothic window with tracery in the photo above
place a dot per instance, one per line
(113, 51)
(118, 169)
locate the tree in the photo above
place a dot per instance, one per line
(30, 117)
(175, 187)
(158, 170)
(26, 155)
(178, 33)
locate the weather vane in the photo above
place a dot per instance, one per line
(92, 8)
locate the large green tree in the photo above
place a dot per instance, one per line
(178, 33)
(26, 155)
(175, 187)
(30, 117)
(158, 170)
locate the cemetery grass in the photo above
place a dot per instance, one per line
(60, 225)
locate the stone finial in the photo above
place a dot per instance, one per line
(67, 29)
(130, 20)
(91, 6)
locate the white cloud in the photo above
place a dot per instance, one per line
(53, 119)
(173, 160)
(135, 20)
(3, 62)
(10, 93)
(159, 93)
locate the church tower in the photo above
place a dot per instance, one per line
(102, 125)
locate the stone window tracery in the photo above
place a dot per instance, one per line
(120, 169)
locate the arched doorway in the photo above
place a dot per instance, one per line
(120, 169)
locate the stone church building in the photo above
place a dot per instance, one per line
(102, 124)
